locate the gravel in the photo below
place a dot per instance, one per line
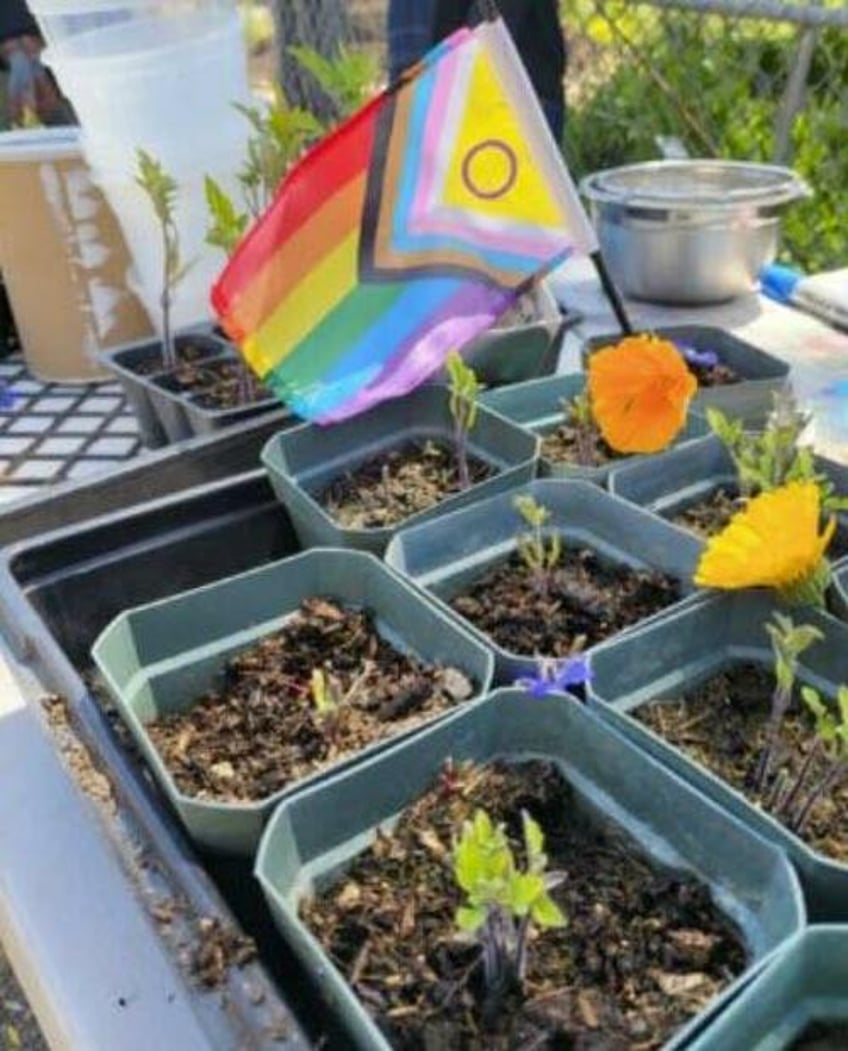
(18, 1028)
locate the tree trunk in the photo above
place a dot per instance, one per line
(320, 24)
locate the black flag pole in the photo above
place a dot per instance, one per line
(612, 293)
(488, 10)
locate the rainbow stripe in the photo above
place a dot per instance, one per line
(393, 241)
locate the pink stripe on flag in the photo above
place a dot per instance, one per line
(425, 218)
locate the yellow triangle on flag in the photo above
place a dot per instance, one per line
(491, 170)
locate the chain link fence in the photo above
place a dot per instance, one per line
(763, 80)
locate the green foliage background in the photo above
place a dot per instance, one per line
(716, 83)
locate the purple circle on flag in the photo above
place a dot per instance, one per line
(490, 145)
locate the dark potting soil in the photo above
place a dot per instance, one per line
(643, 951)
(260, 730)
(187, 355)
(562, 446)
(713, 512)
(719, 375)
(722, 725)
(822, 1036)
(388, 488)
(710, 514)
(586, 598)
(227, 385)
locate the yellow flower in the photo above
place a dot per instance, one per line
(640, 390)
(774, 542)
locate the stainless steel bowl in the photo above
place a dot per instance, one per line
(690, 231)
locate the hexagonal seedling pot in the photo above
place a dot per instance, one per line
(804, 983)
(161, 657)
(513, 353)
(673, 654)
(303, 461)
(316, 834)
(444, 556)
(763, 375)
(537, 405)
(675, 480)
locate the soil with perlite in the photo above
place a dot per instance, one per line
(710, 514)
(713, 512)
(586, 601)
(221, 385)
(259, 730)
(644, 950)
(565, 445)
(721, 724)
(718, 375)
(390, 487)
(188, 355)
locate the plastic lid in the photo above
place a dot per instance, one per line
(69, 8)
(39, 144)
(695, 182)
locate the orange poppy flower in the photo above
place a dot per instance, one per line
(640, 391)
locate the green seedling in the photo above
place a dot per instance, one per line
(161, 189)
(540, 555)
(226, 228)
(788, 642)
(348, 78)
(578, 414)
(226, 223)
(326, 695)
(774, 457)
(795, 804)
(328, 699)
(280, 134)
(464, 391)
(502, 900)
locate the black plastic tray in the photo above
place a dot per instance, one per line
(149, 477)
(59, 589)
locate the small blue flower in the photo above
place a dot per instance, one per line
(7, 399)
(705, 359)
(556, 676)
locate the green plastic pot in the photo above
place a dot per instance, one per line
(763, 375)
(670, 482)
(674, 480)
(159, 658)
(315, 834)
(839, 589)
(504, 356)
(673, 654)
(537, 405)
(444, 556)
(804, 983)
(303, 461)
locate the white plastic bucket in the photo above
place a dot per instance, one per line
(141, 231)
(166, 100)
(180, 156)
(63, 258)
(62, 21)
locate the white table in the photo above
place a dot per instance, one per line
(817, 353)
